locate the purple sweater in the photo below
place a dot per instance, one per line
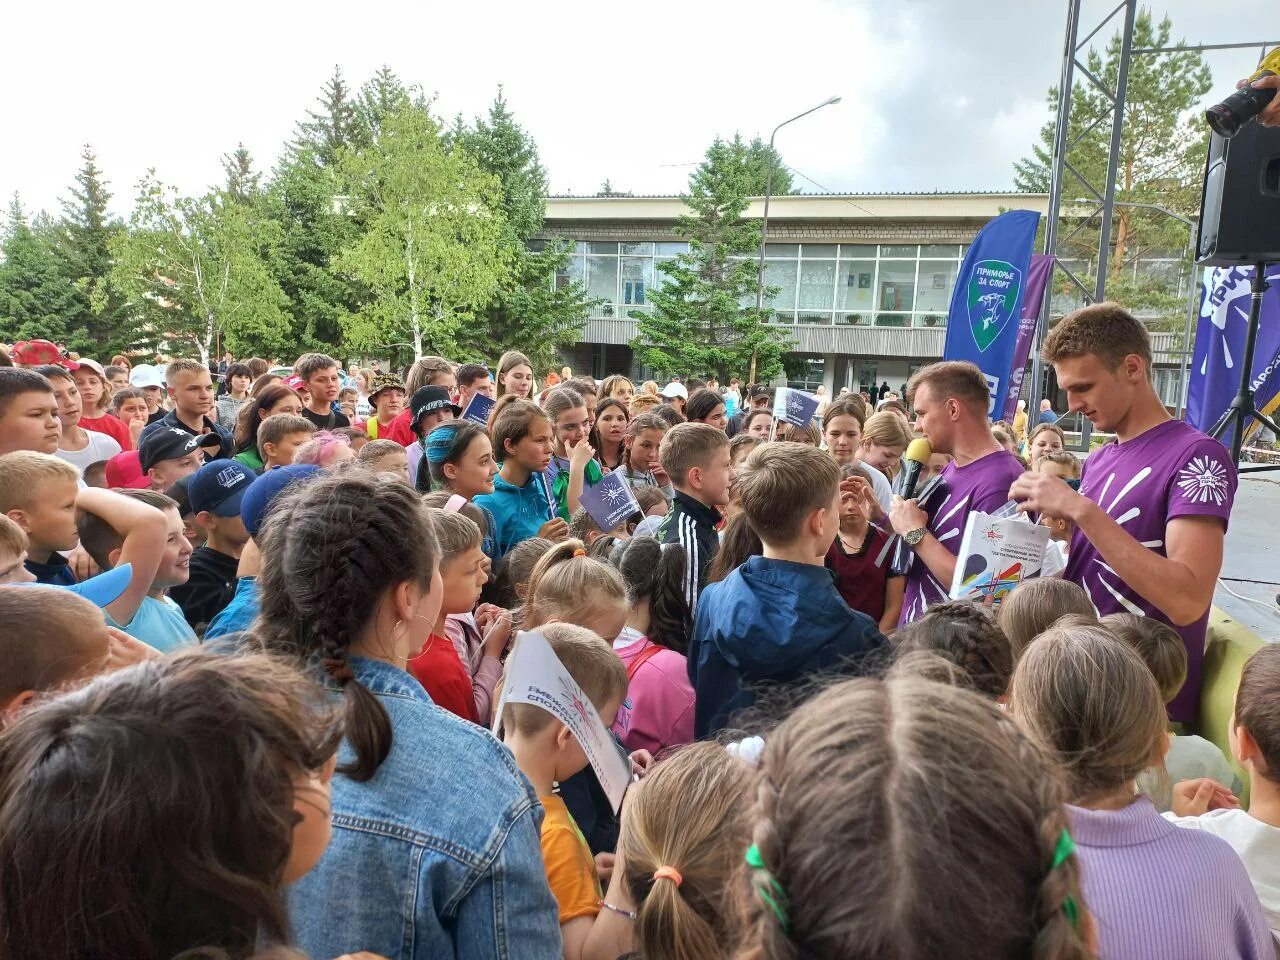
(1162, 893)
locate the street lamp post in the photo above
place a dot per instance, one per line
(764, 220)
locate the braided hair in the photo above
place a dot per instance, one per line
(967, 636)
(333, 549)
(959, 817)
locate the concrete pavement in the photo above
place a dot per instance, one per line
(1251, 565)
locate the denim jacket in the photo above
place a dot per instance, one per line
(438, 855)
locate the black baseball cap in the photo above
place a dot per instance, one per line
(219, 487)
(759, 390)
(171, 443)
(429, 398)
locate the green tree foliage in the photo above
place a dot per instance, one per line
(1161, 161)
(538, 308)
(243, 184)
(304, 197)
(334, 126)
(435, 246)
(700, 323)
(36, 299)
(759, 157)
(84, 237)
(194, 269)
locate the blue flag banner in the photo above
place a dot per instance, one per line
(1219, 349)
(794, 406)
(982, 325)
(610, 501)
(478, 409)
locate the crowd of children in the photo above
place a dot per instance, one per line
(259, 636)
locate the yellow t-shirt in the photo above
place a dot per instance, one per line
(571, 870)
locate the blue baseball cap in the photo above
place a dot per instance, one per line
(219, 487)
(263, 491)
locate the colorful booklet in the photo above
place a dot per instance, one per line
(997, 553)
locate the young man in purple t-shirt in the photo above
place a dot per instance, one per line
(951, 401)
(1152, 510)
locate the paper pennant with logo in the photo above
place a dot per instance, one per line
(987, 300)
(794, 406)
(534, 675)
(610, 501)
(478, 409)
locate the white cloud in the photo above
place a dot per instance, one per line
(628, 92)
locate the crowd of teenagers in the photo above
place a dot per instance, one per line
(254, 631)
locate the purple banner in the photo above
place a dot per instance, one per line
(1038, 273)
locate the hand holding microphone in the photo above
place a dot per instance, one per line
(915, 461)
(907, 516)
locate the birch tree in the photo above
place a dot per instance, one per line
(194, 271)
(434, 248)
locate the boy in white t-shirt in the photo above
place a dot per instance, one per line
(78, 446)
(1255, 741)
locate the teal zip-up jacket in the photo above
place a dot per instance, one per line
(518, 512)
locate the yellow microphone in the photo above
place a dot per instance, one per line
(917, 458)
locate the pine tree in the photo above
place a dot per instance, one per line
(243, 184)
(36, 301)
(532, 312)
(1163, 145)
(85, 236)
(381, 96)
(305, 197)
(760, 156)
(333, 127)
(699, 324)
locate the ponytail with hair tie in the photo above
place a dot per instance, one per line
(338, 669)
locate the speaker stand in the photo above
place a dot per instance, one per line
(1243, 410)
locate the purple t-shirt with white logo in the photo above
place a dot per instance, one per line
(981, 485)
(1172, 470)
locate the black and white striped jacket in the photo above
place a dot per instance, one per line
(692, 524)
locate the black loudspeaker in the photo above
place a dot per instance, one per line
(1240, 207)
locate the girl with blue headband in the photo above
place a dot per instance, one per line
(459, 459)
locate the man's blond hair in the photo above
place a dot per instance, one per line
(953, 380)
(1106, 330)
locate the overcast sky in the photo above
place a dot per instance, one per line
(937, 94)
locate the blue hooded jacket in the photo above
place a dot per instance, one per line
(518, 512)
(773, 621)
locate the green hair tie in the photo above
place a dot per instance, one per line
(1065, 848)
(774, 895)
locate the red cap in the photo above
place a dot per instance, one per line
(125, 471)
(35, 353)
(295, 382)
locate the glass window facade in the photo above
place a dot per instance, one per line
(849, 284)
(845, 284)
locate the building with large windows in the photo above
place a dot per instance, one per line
(864, 282)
